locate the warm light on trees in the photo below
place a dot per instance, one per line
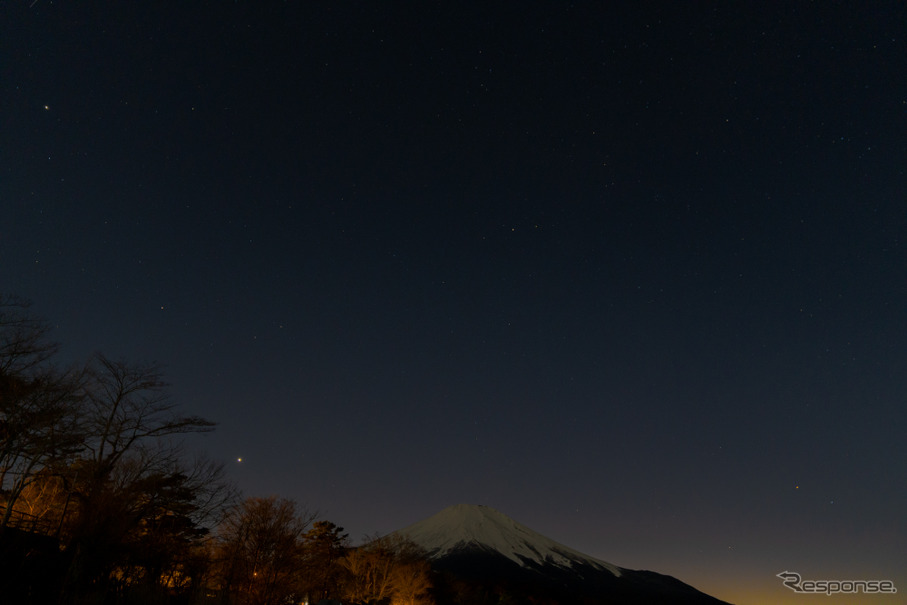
(411, 581)
(39, 405)
(137, 503)
(92, 478)
(387, 569)
(261, 553)
(101, 504)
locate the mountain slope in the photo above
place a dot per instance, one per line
(497, 557)
(464, 525)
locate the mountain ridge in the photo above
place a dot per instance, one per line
(479, 546)
(462, 525)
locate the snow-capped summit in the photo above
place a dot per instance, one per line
(481, 551)
(465, 526)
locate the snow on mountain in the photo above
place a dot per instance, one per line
(466, 526)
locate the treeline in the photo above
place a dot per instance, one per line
(100, 503)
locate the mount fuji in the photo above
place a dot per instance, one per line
(484, 556)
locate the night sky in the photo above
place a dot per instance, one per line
(634, 274)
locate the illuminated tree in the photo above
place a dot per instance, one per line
(172, 508)
(88, 458)
(262, 552)
(387, 569)
(39, 405)
(137, 504)
(411, 582)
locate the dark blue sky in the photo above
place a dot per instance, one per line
(634, 276)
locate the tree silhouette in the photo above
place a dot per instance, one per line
(325, 545)
(138, 503)
(39, 405)
(387, 569)
(96, 489)
(262, 552)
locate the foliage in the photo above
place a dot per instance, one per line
(325, 545)
(88, 463)
(39, 404)
(262, 552)
(389, 569)
(100, 504)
